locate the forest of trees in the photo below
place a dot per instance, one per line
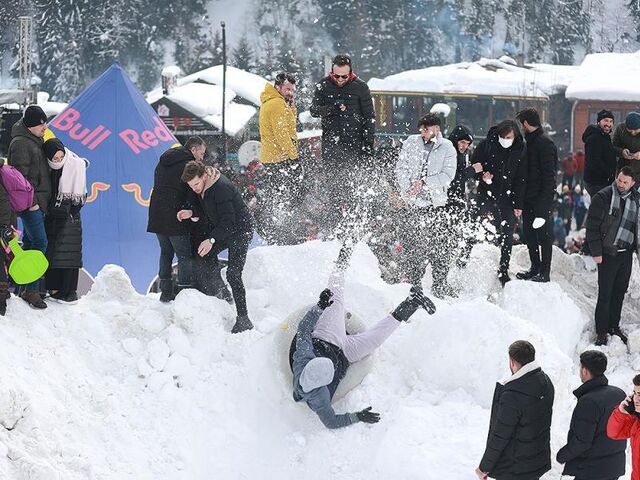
(76, 40)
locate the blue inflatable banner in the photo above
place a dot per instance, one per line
(112, 125)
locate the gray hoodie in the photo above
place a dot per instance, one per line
(318, 399)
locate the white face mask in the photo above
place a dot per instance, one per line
(505, 142)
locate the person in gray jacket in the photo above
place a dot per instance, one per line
(324, 351)
(425, 169)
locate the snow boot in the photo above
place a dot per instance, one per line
(619, 333)
(33, 299)
(528, 274)
(242, 323)
(4, 296)
(70, 298)
(544, 276)
(601, 340)
(166, 287)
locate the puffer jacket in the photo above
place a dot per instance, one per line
(436, 175)
(600, 157)
(457, 189)
(623, 139)
(622, 426)
(277, 127)
(26, 155)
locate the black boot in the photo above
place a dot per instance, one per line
(503, 277)
(242, 323)
(4, 296)
(544, 275)
(166, 287)
(528, 274)
(601, 339)
(619, 333)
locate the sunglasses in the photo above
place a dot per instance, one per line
(341, 76)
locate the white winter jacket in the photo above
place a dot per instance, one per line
(439, 173)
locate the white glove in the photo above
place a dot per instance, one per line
(538, 222)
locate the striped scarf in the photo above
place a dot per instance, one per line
(628, 223)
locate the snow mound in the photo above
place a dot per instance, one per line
(121, 386)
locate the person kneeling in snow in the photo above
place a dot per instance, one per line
(324, 351)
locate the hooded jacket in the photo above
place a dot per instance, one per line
(542, 166)
(169, 193)
(26, 155)
(457, 188)
(518, 444)
(436, 175)
(600, 157)
(277, 127)
(508, 167)
(589, 453)
(349, 133)
(622, 426)
(623, 139)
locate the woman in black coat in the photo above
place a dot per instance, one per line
(501, 189)
(62, 223)
(229, 225)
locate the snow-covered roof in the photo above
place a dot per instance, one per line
(50, 108)
(495, 77)
(201, 94)
(608, 77)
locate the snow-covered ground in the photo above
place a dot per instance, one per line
(124, 387)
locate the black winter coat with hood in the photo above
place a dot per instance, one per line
(344, 134)
(26, 155)
(508, 167)
(169, 193)
(457, 190)
(589, 453)
(518, 444)
(600, 157)
(542, 167)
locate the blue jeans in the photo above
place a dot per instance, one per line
(180, 246)
(34, 237)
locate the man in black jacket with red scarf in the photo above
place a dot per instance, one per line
(344, 104)
(537, 225)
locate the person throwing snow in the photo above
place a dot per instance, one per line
(324, 351)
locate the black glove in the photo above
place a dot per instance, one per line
(367, 416)
(422, 300)
(6, 233)
(409, 305)
(325, 299)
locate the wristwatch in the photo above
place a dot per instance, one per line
(212, 240)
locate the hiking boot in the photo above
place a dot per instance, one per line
(242, 323)
(541, 278)
(166, 287)
(68, 299)
(33, 299)
(528, 274)
(601, 340)
(619, 333)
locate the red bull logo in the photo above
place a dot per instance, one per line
(137, 193)
(97, 187)
(147, 138)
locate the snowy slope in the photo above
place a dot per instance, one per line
(123, 387)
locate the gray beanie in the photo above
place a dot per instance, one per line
(632, 122)
(317, 373)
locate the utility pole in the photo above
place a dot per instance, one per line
(25, 57)
(224, 88)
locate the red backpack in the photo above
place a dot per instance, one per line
(19, 189)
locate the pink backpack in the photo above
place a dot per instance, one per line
(19, 189)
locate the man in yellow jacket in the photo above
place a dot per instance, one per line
(279, 219)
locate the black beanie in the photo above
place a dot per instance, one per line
(51, 146)
(34, 116)
(604, 114)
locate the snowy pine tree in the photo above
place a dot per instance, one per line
(243, 56)
(571, 32)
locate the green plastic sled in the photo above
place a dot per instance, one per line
(27, 265)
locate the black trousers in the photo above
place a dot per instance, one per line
(280, 220)
(503, 220)
(613, 281)
(539, 240)
(65, 280)
(238, 246)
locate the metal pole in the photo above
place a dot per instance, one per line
(224, 87)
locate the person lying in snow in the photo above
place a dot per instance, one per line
(324, 351)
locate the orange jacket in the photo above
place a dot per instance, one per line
(622, 426)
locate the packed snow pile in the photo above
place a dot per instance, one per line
(121, 386)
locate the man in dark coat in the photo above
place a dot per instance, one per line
(589, 454)
(612, 236)
(537, 224)
(229, 226)
(170, 195)
(344, 104)
(518, 444)
(27, 156)
(626, 143)
(600, 156)
(502, 187)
